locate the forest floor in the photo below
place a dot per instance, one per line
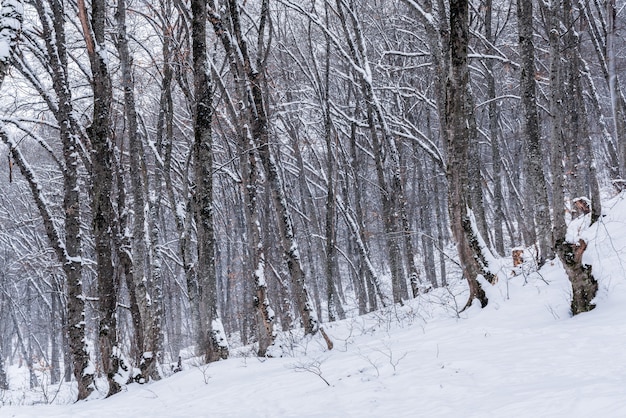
(521, 356)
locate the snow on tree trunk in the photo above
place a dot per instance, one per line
(101, 187)
(212, 337)
(468, 242)
(584, 285)
(144, 281)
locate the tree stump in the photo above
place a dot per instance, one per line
(584, 285)
(580, 207)
(518, 257)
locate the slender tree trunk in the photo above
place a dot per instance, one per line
(55, 334)
(144, 280)
(427, 220)
(4, 382)
(617, 105)
(359, 232)
(384, 149)
(250, 185)
(586, 175)
(255, 102)
(536, 204)
(333, 278)
(556, 116)
(498, 199)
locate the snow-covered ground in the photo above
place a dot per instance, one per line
(522, 356)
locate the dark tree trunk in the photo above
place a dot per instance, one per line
(584, 285)
(458, 144)
(250, 186)
(71, 254)
(212, 339)
(55, 334)
(498, 198)
(4, 383)
(144, 281)
(536, 205)
(101, 187)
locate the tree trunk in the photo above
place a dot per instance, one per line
(536, 205)
(584, 285)
(212, 339)
(617, 102)
(4, 383)
(68, 252)
(458, 143)
(498, 199)
(55, 334)
(101, 187)
(144, 280)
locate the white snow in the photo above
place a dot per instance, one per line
(521, 356)
(11, 15)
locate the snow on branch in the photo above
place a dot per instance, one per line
(11, 17)
(38, 196)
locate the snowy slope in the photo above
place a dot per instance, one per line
(522, 356)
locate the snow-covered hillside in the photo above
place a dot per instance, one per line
(522, 356)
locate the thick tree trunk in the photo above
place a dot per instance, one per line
(212, 338)
(101, 186)
(566, 129)
(458, 143)
(69, 252)
(584, 285)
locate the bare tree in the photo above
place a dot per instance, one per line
(213, 340)
(102, 186)
(464, 231)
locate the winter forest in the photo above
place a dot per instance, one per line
(183, 178)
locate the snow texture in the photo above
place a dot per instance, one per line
(521, 356)
(11, 15)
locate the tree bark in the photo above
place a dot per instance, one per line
(537, 207)
(101, 187)
(212, 338)
(498, 198)
(145, 283)
(458, 143)
(255, 103)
